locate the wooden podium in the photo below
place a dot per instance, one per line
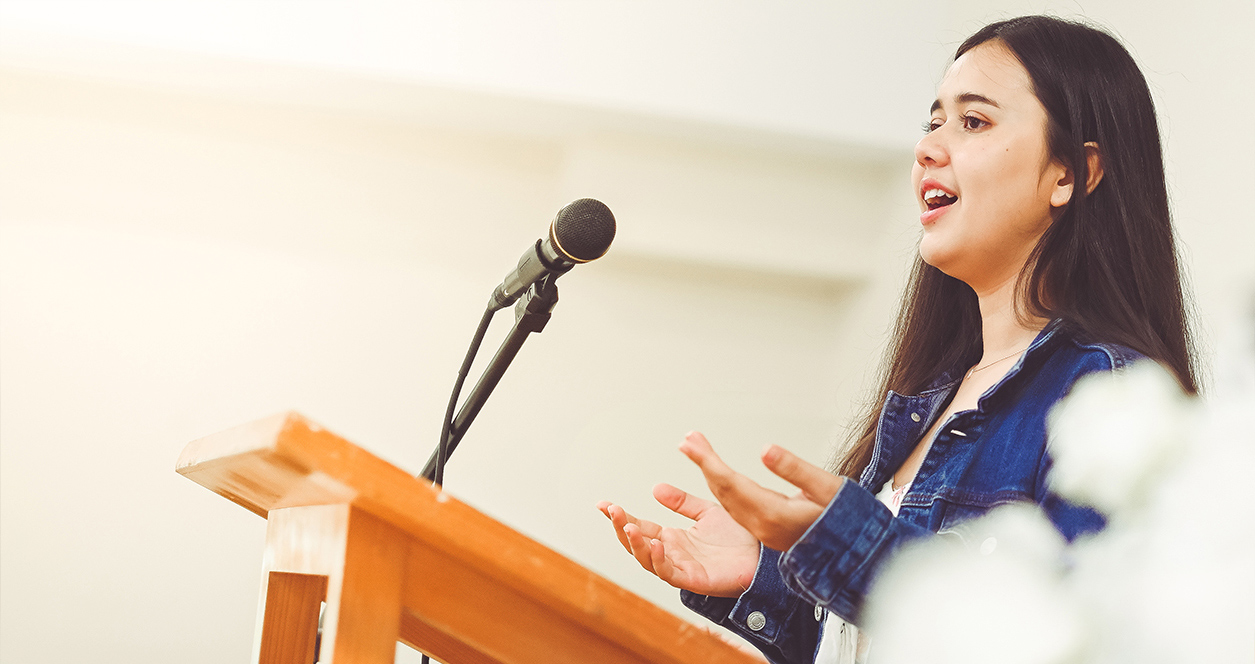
(396, 559)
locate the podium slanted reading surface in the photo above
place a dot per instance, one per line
(395, 559)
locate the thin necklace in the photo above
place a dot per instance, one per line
(1001, 359)
(893, 478)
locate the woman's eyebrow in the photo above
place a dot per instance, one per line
(966, 98)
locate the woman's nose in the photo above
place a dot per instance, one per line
(931, 149)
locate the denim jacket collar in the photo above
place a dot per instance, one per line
(904, 419)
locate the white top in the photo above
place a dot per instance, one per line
(841, 642)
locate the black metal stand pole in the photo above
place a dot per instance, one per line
(531, 315)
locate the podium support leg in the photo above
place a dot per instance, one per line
(290, 617)
(355, 560)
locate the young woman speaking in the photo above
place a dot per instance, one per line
(1046, 254)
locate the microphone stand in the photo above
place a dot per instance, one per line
(531, 314)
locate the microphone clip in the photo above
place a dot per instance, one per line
(535, 308)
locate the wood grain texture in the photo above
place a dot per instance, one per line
(302, 540)
(492, 594)
(364, 623)
(290, 620)
(439, 644)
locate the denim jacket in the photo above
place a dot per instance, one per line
(980, 459)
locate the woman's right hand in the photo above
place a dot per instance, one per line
(714, 556)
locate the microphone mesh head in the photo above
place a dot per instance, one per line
(583, 230)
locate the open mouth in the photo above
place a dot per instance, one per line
(936, 198)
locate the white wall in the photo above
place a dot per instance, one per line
(213, 215)
(174, 265)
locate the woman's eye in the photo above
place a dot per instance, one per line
(972, 123)
(932, 125)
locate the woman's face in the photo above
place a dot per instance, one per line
(983, 174)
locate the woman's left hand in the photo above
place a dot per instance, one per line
(777, 520)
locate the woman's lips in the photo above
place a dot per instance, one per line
(932, 192)
(932, 186)
(930, 216)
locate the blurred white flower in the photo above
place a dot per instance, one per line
(1116, 435)
(996, 598)
(1174, 581)
(1171, 578)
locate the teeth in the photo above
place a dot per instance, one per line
(936, 193)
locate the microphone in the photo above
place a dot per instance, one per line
(581, 232)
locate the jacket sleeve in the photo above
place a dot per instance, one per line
(835, 562)
(1070, 519)
(768, 615)
(832, 565)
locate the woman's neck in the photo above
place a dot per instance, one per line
(1003, 331)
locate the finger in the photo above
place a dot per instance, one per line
(718, 474)
(604, 507)
(740, 495)
(681, 502)
(619, 519)
(766, 514)
(818, 485)
(639, 547)
(648, 528)
(658, 556)
(701, 452)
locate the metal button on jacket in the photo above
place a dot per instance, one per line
(914, 417)
(819, 612)
(756, 621)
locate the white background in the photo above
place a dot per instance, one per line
(213, 212)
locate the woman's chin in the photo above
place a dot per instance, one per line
(935, 253)
(944, 260)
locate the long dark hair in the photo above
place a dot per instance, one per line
(1107, 266)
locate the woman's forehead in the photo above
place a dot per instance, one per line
(990, 71)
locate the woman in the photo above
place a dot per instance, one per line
(1047, 253)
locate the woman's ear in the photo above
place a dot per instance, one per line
(1093, 159)
(1062, 193)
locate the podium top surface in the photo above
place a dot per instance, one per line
(288, 461)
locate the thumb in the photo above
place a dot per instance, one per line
(819, 485)
(680, 501)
